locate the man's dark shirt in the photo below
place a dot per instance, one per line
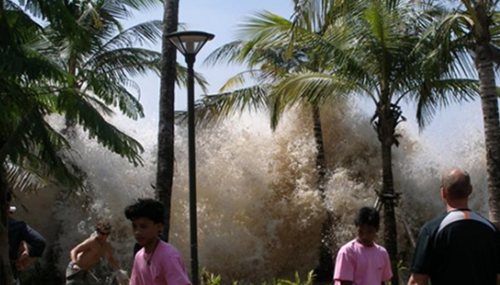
(19, 231)
(460, 247)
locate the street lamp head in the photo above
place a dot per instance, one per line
(189, 42)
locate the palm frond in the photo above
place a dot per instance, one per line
(25, 178)
(119, 63)
(182, 77)
(140, 34)
(314, 88)
(228, 53)
(213, 108)
(76, 108)
(114, 94)
(264, 27)
(438, 94)
(239, 79)
(143, 4)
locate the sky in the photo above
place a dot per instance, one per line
(221, 17)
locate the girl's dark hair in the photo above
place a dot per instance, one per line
(146, 208)
(367, 216)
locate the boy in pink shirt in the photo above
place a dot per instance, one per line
(362, 261)
(158, 262)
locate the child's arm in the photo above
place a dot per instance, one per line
(108, 253)
(344, 267)
(24, 259)
(36, 247)
(121, 275)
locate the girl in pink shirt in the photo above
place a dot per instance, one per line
(362, 261)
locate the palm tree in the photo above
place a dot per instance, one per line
(475, 30)
(165, 159)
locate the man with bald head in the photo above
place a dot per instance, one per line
(460, 246)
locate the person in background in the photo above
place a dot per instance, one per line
(25, 244)
(362, 261)
(87, 254)
(158, 262)
(459, 247)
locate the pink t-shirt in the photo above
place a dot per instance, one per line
(362, 265)
(165, 267)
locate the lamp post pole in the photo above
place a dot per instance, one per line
(190, 59)
(189, 44)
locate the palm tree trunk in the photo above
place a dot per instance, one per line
(386, 131)
(165, 164)
(324, 270)
(70, 125)
(489, 103)
(390, 229)
(320, 157)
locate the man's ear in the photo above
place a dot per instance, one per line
(443, 193)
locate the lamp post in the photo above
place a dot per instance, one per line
(189, 43)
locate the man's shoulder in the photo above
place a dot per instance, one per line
(470, 218)
(16, 224)
(434, 224)
(90, 241)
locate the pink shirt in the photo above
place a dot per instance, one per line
(362, 265)
(166, 267)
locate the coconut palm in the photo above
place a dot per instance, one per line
(475, 28)
(165, 158)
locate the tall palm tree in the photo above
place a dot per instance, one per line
(165, 158)
(475, 28)
(171, 74)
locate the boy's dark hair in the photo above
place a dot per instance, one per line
(9, 197)
(367, 216)
(146, 208)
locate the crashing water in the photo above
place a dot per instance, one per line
(259, 214)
